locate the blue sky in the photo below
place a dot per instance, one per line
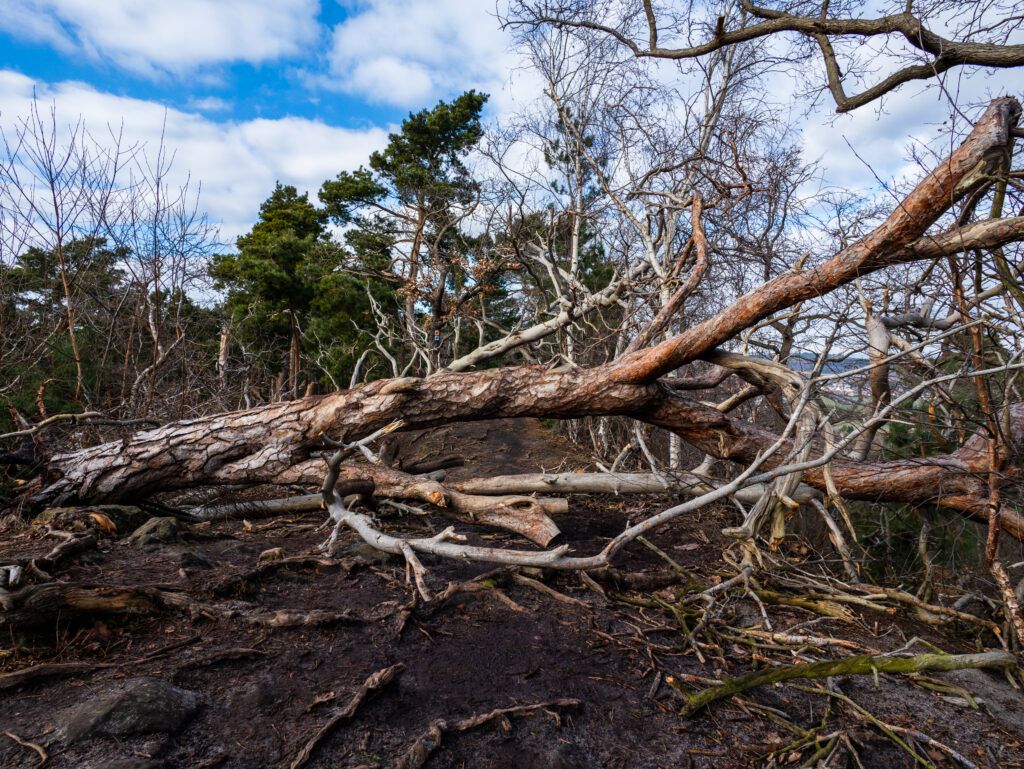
(249, 92)
(252, 91)
(292, 76)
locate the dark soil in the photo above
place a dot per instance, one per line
(266, 691)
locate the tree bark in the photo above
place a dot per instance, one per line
(268, 444)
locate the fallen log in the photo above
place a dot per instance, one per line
(859, 665)
(612, 483)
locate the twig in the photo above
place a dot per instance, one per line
(891, 730)
(414, 565)
(549, 591)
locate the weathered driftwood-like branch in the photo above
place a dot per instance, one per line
(848, 666)
(527, 516)
(524, 515)
(675, 482)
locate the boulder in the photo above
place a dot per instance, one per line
(156, 531)
(128, 708)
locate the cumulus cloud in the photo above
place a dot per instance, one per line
(209, 104)
(409, 52)
(151, 38)
(236, 162)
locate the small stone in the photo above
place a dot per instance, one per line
(270, 556)
(251, 695)
(366, 553)
(131, 707)
(195, 559)
(156, 531)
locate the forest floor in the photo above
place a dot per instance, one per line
(596, 661)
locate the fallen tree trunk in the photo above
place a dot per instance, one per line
(266, 444)
(272, 444)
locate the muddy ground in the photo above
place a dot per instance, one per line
(263, 692)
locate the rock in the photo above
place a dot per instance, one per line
(195, 559)
(365, 553)
(270, 556)
(126, 518)
(156, 531)
(130, 707)
(252, 695)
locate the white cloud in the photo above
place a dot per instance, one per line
(875, 140)
(237, 162)
(392, 80)
(410, 52)
(209, 104)
(163, 37)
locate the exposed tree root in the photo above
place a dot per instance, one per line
(425, 745)
(240, 581)
(370, 686)
(47, 670)
(43, 567)
(37, 749)
(43, 604)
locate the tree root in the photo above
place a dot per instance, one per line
(859, 665)
(43, 757)
(239, 581)
(42, 567)
(370, 686)
(431, 739)
(47, 670)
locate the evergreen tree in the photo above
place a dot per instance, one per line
(270, 288)
(409, 202)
